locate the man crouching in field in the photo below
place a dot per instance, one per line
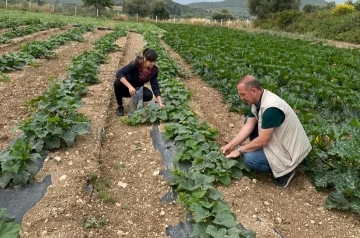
(278, 142)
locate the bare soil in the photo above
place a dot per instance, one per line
(38, 36)
(124, 158)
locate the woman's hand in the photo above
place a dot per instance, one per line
(132, 90)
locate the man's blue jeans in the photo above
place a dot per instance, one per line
(256, 160)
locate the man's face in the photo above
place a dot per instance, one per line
(245, 94)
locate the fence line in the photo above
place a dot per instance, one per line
(76, 10)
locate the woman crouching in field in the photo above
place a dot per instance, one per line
(136, 74)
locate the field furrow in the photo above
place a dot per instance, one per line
(38, 36)
(67, 204)
(128, 157)
(32, 81)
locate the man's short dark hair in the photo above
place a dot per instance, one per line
(250, 82)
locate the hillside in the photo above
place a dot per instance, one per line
(185, 11)
(239, 7)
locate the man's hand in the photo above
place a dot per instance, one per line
(226, 149)
(233, 154)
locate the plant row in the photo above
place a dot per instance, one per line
(39, 17)
(196, 145)
(12, 22)
(321, 83)
(23, 31)
(55, 122)
(29, 52)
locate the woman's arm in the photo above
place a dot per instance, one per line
(126, 70)
(156, 89)
(159, 100)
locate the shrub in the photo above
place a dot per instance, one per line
(120, 17)
(343, 9)
(287, 17)
(357, 5)
(222, 16)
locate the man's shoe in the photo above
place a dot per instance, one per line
(284, 181)
(120, 111)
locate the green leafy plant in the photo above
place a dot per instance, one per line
(18, 164)
(101, 187)
(94, 222)
(15, 61)
(45, 131)
(8, 229)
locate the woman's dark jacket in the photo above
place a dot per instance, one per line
(131, 73)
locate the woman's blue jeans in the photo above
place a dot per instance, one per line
(256, 160)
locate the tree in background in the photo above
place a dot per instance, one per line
(133, 7)
(222, 15)
(309, 8)
(357, 5)
(261, 8)
(99, 4)
(158, 9)
(40, 2)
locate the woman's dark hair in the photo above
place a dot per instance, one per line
(150, 54)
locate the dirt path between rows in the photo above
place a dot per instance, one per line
(130, 162)
(67, 203)
(31, 82)
(38, 36)
(296, 211)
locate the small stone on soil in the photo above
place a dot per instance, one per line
(121, 184)
(63, 178)
(278, 220)
(121, 233)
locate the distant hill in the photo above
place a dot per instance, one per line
(239, 7)
(185, 11)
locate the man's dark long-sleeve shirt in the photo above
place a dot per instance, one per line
(131, 73)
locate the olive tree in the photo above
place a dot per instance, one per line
(261, 8)
(133, 7)
(99, 4)
(158, 9)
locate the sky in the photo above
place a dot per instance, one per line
(191, 1)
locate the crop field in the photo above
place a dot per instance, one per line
(69, 167)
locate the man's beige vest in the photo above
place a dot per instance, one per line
(289, 144)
